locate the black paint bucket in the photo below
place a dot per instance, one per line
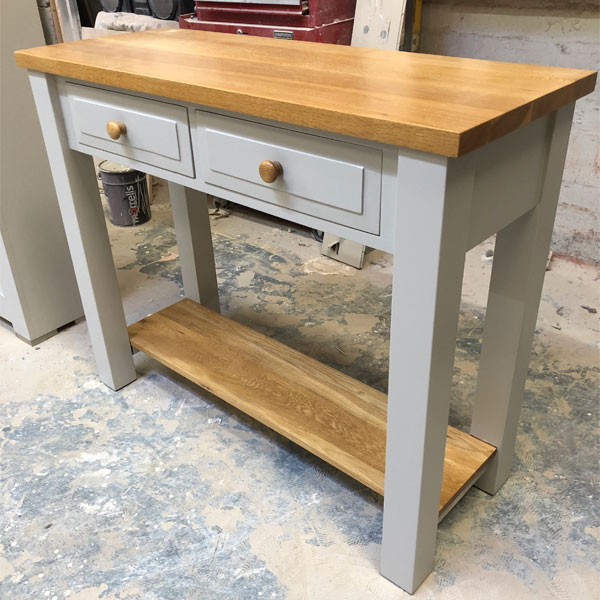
(126, 192)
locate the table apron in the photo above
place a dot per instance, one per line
(508, 171)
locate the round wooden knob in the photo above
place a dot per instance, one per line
(116, 129)
(270, 170)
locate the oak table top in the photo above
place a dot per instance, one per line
(437, 104)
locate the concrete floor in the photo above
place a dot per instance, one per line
(162, 491)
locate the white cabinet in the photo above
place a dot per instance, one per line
(38, 292)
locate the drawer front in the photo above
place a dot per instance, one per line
(157, 133)
(328, 179)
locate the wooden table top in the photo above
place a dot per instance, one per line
(438, 104)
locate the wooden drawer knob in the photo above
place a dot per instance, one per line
(116, 129)
(270, 170)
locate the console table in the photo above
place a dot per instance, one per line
(421, 156)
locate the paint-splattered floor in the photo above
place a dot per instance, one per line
(161, 491)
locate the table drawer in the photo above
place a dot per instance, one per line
(328, 179)
(156, 133)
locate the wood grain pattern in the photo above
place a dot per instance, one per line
(270, 170)
(116, 129)
(326, 412)
(437, 104)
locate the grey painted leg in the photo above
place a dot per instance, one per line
(431, 239)
(192, 227)
(85, 227)
(513, 302)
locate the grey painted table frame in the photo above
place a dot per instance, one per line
(446, 206)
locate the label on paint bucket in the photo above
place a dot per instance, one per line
(134, 207)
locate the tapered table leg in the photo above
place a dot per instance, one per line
(431, 237)
(514, 297)
(89, 245)
(192, 227)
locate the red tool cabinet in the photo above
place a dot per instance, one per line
(328, 21)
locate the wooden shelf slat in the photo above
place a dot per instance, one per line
(341, 420)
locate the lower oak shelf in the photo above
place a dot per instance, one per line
(330, 414)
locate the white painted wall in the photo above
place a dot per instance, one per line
(564, 33)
